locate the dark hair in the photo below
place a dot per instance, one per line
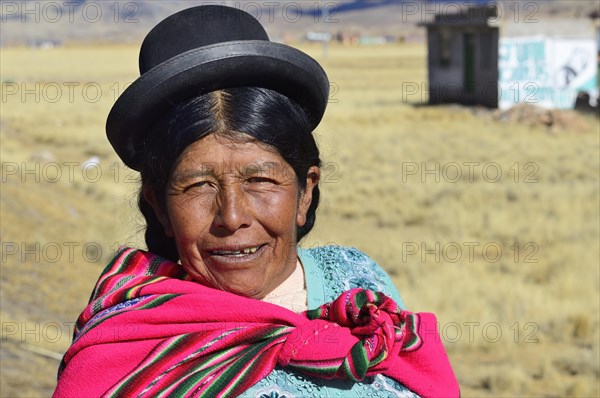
(239, 114)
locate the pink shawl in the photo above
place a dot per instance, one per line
(150, 331)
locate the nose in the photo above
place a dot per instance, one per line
(233, 211)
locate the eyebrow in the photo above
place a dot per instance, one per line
(211, 170)
(260, 167)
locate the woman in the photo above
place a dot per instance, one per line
(224, 303)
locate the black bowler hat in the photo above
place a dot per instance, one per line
(203, 49)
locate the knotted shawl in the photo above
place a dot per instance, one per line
(150, 331)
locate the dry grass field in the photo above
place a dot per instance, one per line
(492, 224)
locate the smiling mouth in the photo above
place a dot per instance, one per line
(235, 253)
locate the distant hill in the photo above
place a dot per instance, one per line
(35, 22)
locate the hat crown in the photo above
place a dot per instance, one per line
(194, 28)
(202, 49)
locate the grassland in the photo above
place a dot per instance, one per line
(493, 225)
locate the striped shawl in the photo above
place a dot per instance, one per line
(149, 331)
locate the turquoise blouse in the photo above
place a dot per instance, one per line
(329, 271)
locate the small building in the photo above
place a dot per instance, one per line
(462, 57)
(483, 55)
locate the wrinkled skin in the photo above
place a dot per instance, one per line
(225, 197)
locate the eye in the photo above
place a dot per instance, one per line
(199, 184)
(261, 180)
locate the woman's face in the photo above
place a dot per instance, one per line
(233, 209)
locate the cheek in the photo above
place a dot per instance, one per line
(189, 217)
(278, 211)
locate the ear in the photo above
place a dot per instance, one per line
(312, 180)
(161, 214)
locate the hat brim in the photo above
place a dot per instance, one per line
(249, 63)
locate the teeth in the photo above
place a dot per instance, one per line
(247, 250)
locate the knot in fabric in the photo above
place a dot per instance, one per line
(362, 329)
